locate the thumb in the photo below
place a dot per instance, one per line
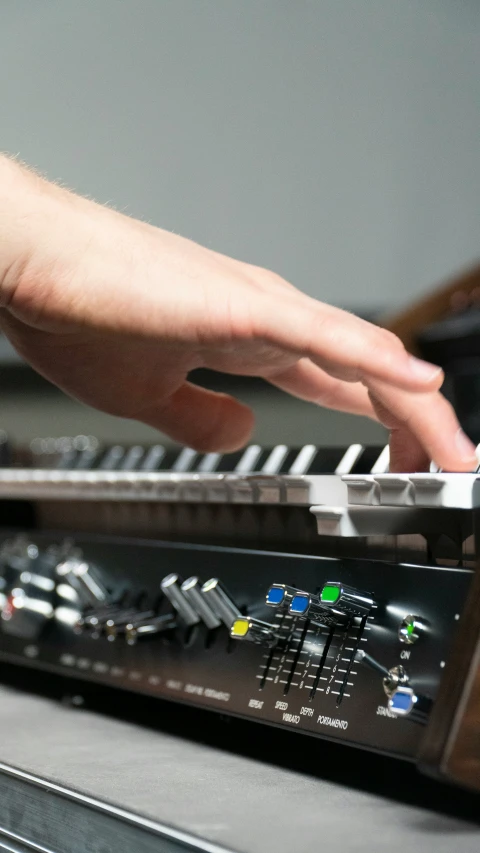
(201, 419)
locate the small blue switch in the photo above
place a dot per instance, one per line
(299, 605)
(402, 701)
(275, 596)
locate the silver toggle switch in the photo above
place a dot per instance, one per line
(220, 602)
(95, 620)
(191, 588)
(171, 588)
(143, 629)
(117, 623)
(396, 677)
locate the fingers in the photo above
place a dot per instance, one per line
(406, 453)
(345, 346)
(430, 419)
(202, 419)
(308, 382)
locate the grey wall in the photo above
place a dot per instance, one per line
(335, 141)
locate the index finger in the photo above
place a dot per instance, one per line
(345, 346)
(431, 420)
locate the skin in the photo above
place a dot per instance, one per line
(117, 313)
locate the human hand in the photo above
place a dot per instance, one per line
(117, 313)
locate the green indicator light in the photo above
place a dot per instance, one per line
(330, 594)
(411, 629)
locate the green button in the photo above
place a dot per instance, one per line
(330, 594)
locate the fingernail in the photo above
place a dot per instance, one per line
(423, 369)
(465, 447)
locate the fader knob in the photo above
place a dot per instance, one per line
(253, 630)
(346, 599)
(280, 595)
(300, 604)
(311, 607)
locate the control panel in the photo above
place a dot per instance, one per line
(350, 649)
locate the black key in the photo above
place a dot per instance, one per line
(185, 461)
(278, 460)
(302, 461)
(290, 458)
(366, 460)
(326, 460)
(67, 461)
(252, 460)
(5, 450)
(86, 460)
(133, 457)
(153, 458)
(225, 463)
(208, 463)
(112, 458)
(168, 461)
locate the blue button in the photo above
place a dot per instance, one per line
(402, 700)
(275, 596)
(300, 604)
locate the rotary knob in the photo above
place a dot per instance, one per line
(171, 588)
(28, 589)
(28, 606)
(192, 590)
(220, 602)
(85, 579)
(17, 555)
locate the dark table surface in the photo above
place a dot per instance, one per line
(300, 795)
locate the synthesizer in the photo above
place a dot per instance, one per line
(305, 588)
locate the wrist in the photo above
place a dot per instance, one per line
(17, 189)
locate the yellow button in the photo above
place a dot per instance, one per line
(240, 628)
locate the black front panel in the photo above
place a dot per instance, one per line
(310, 679)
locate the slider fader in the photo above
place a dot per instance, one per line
(307, 588)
